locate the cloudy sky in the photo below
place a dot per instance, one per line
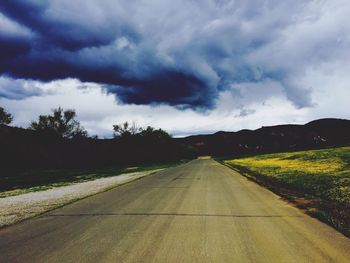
(187, 66)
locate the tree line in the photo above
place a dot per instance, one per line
(64, 124)
(58, 140)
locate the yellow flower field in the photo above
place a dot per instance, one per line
(325, 173)
(331, 161)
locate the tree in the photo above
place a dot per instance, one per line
(151, 132)
(5, 118)
(126, 130)
(61, 123)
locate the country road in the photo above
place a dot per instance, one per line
(201, 211)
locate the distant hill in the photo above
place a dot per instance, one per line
(316, 134)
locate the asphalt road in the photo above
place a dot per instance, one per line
(198, 212)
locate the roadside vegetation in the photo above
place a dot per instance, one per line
(322, 177)
(61, 123)
(5, 117)
(58, 140)
(56, 150)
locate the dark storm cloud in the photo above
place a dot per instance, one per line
(182, 53)
(61, 33)
(61, 49)
(11, 48)
(181, 90)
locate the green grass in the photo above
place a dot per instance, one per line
(324, 174)
(20, 182)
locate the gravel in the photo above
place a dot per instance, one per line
(17, 208)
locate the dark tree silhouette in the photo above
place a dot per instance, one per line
(126, 130)
(5, 117)
(61, 123)
(151, 132)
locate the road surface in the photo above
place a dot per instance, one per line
(198, 212)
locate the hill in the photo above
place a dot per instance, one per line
(316, 134)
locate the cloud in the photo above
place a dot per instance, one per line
(178, 53)
(252, 107)
(245, 112)
(98, 110)
(11, 28)
(18, 89)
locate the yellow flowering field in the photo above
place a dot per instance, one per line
(322, 172)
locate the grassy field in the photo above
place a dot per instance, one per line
(324, 174)
(20, 182)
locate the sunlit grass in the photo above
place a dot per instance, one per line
(321, 172)
(286, 165)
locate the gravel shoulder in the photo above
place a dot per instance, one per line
(17, 208)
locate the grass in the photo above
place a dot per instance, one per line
(19, 182)
(322, 175)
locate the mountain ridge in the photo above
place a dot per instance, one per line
(318, 133)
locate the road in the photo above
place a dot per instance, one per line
(201, 211)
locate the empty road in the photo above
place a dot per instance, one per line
(201, 211)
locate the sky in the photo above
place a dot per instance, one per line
(186, 66)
